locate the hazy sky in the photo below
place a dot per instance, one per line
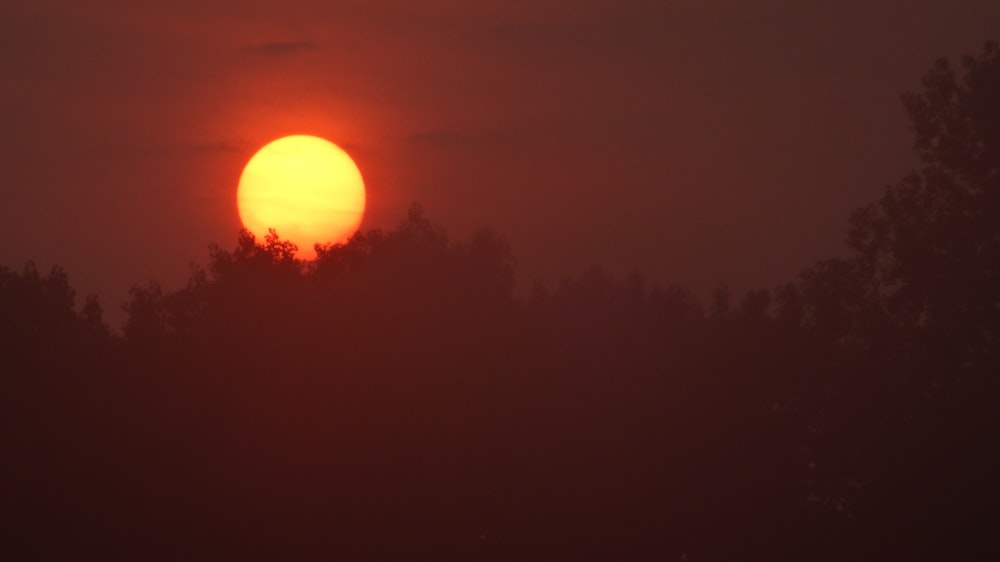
(695, 142)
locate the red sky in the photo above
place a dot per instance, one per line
(695, 142)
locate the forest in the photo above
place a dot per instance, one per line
(397, 398)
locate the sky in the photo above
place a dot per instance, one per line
(695, 142)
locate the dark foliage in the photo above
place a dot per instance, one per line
(394, 399)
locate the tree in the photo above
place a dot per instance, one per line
(931, 245)
(39, 321)
(911, 325)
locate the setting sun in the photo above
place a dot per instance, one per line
(306, 188)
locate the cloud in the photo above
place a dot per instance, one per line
(213, 146)
(629, 129)
(283, 48)
(461, 140)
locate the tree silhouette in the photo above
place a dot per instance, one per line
(932, 244)
(396, 398)
(910, 324)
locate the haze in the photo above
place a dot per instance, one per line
(693, 142)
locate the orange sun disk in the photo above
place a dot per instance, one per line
(306, 188)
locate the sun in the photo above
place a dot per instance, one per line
(306, 188)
